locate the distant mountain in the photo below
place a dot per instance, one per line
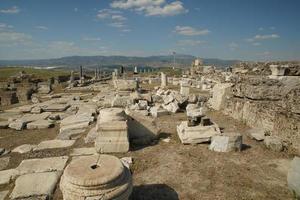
(109, 61)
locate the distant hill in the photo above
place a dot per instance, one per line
(107, 61)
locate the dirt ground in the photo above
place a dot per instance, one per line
(171, 170)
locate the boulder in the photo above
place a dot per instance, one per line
(17, 125)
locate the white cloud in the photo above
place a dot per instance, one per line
(4, 26)
(107, 13)
(190, 31)
(118, 18)
(261, 29)
(126, 30)
(12, 10)
(91, 39)
(14, 38)
(117, 24)
(190, 42)
(151, 7)
(256, 44)
(233, 46)
(41, 28)
(114, 18)
(263, 37)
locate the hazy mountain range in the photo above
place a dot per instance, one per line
(107, 61)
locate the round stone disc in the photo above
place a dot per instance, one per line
(86, 172)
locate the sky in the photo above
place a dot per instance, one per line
(225, 29)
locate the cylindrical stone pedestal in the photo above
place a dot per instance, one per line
(164, 80)
(94, 177)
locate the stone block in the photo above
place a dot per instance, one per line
(37, 185)
(112, 137)
(17, 125)
(226, 143)
(39, 124)
(220, 94)
(4, 124)
(7, 175)
(196, 134)
(3, 194)
(172, 107)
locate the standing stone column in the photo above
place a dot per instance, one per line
(164, 80)
(135, 70)
(116, 72)
(80, 74)
(184, 89)
(72, 77)
(96, 74)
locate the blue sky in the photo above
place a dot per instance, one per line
(226, 29)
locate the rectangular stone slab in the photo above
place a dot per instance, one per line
(42, 165)
(54, 144)
(35, 185)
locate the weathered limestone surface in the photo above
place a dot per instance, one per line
(54, 144)
(35, 185)
(55, 107)
(196, 134)
(293, 177)
(226, 143)
(107, 179)
(42, 165)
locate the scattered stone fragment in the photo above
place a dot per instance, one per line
(36, 110)
(172, 107)
(37, 185)
(17, 125)
(127, 161)
(257, 134)
(158, 111)
(273, 143)
(38, 165)
(54, 144)
(2, 150)
(85, 178)
(83, 151)
(39, 124)
(293, 177)
(4, 124)
(167, 140)
(56, 107)
(25, 148)
(226, 143)
(3, 194)
(196, 134)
